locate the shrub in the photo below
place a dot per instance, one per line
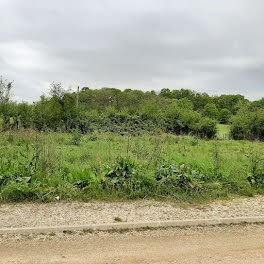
(248, 125)
(210, 110)
(206, 128)
(16, 192)
(180, 120)
(256, 176)
(178, 176)
(120, 174)
(76, 137)
(224, 116)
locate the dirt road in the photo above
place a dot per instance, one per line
(235, 244)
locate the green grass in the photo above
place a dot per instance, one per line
(50, 166)
(223, 131)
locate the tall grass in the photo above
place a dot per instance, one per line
(53, 166)
(223, 131)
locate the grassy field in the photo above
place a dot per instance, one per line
(223, 131)
(53, 166)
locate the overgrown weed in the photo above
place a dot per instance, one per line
(45, 167)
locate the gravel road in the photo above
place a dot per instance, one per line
(77, 213)
(226, 245)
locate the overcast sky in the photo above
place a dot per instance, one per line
(206, 45)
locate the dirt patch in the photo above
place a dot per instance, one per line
(230, 244)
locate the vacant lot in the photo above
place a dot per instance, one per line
(54, 166)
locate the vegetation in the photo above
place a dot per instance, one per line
(112, 144)
(180, 112)
(248, 124)
(51, 166)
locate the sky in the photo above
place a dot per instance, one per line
(204, 45)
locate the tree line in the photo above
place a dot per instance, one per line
(133, 111)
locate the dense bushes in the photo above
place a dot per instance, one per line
(206, 128)
(131, 111)
(179, 121)
(105, 110)
(248, 125)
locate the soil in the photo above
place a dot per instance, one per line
(227, 245)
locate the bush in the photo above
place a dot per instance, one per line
(120, 174)
(248, 125)
(256, 176)
(178, 176)
(210, 110)
(76, 137)
(180, 120)
(224, 116)
(16, 192)
(206, 128)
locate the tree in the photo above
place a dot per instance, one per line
(248, 125)
(257, 104)
(56, 90)
(5, 90)
(210, 111)
(5, 96)
(206, 128)
(165, 92)
(224, 116)
(229, 102)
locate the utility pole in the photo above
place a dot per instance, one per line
(77, 97)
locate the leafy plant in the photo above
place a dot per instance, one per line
(178, 176)
(256, 176)
(76, 137)
(121, 173)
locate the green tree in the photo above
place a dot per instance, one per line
(5, 97)
(224, 116)
(206, 128)
(210, 111)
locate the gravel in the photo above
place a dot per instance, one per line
(79, 213)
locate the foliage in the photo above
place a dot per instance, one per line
(224, 116)
(134, 112)
(177, 176)
(45, 167)
(76, 137)
(210, 111)
(206, 128)
(256, 176)
(248, 125)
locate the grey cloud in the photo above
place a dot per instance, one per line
(210, 46)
